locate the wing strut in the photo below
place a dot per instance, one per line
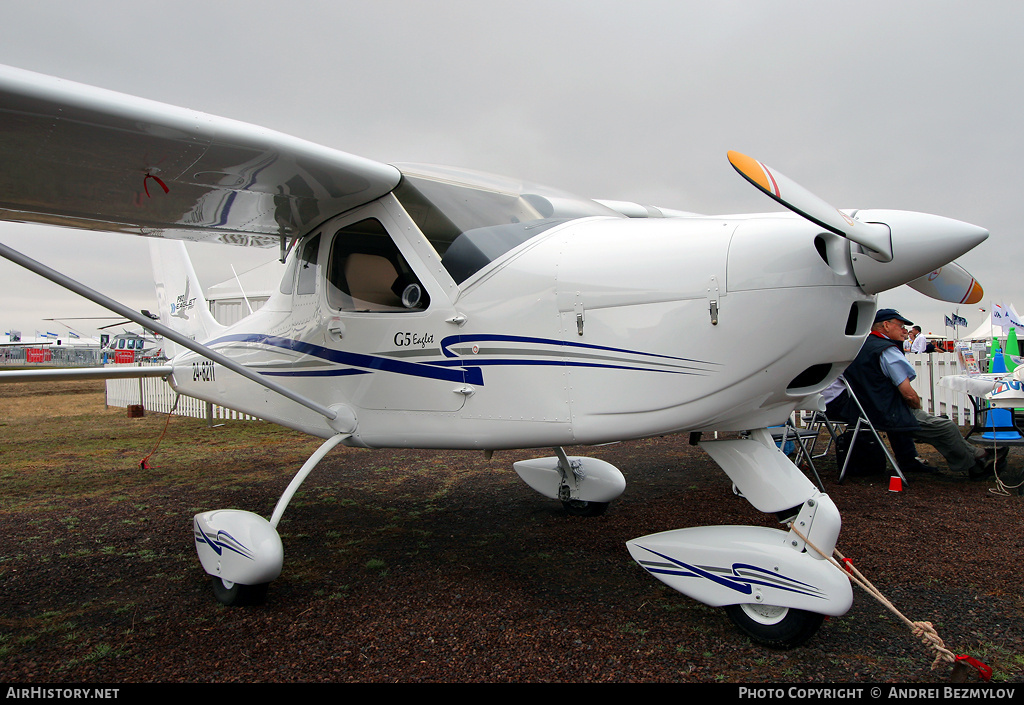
(160, 329)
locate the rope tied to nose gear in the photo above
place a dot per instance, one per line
(144, 463)
(1002, 488)
(924, 631)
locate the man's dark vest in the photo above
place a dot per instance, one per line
(885, 406)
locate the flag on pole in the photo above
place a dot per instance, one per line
(999, 317)
(1013, 316)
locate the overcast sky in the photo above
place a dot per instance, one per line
(908, 105)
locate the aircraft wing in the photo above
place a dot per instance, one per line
(55, 374)
(84, 157)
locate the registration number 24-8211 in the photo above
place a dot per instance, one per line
(203, 371)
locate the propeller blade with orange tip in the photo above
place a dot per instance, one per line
(950, 283)
(893, 247)
(792, 195)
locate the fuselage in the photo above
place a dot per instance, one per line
(550, 326)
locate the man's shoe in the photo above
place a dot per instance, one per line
(985, 465)
(919, 466)
(981, 469)
(999, 456)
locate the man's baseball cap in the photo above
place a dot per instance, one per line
(887, 314)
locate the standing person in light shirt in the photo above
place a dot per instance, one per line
(916, 342)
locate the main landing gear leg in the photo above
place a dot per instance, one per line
(242, 551)
(773, 586)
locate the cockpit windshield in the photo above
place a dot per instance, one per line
(471, 218)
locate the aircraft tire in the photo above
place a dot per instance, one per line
(775, 627)
(238, 595)
(579, 508)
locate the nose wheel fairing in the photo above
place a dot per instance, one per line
(770, 570)
(727, 565)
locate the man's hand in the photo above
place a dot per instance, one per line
(909, 395)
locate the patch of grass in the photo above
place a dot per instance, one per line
(99, 652)
(1006, 665)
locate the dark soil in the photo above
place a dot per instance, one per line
(430, 566)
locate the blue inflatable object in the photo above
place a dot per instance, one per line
(998, 364)
(1000, 418)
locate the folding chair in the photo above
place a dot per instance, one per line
(789, 431)
(834, 428)
(863, 422)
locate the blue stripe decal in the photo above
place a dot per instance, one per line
(739, 584)
(453, 369)
(456, 339)
(467, 375)
(569, 363)
(316, 373)
(218, 544)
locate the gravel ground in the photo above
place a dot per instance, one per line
(424, 566)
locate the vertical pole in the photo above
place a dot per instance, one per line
(931, 384)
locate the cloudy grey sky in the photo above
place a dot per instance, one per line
(909, 105)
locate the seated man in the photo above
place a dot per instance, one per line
(880, 377)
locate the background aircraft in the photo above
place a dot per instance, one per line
(132, 347)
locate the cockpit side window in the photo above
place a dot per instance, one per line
(473, 219)
(366, 272)
(305, 282)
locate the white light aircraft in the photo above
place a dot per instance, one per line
(427, 307)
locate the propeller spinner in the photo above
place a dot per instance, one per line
(896, 247)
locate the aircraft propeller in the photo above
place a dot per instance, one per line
(896, 247)
(950, 283)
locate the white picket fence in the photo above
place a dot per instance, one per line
(936, 399)
(156, 395)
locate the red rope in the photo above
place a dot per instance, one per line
(144, 463)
